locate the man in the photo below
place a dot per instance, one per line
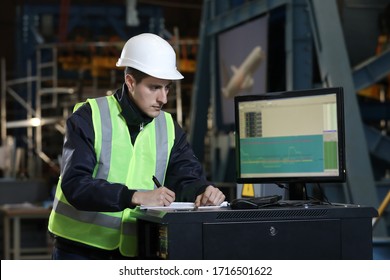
(113, 147)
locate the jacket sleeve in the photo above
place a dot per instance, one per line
(78, 162)
(185, 174)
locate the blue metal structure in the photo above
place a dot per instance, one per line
(95, 20)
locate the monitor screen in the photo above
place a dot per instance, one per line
(290, 137)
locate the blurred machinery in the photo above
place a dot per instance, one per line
(65, 54)
(242, 78)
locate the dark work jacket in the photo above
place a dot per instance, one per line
(185, 175)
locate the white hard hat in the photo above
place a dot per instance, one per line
(152, 55)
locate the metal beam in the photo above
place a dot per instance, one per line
(336, 71)
(372, 70)
(379, 145)
(244, 12)
(299, 47)
(201, 89)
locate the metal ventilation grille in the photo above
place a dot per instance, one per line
(268, 214)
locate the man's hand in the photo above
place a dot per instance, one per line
(211, 196)
(158, 197)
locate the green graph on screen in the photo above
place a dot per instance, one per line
(288, 154)
(330, 155)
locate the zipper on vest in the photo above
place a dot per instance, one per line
(141, 126)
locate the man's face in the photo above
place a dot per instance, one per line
(150, 94)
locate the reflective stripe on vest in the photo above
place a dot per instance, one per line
(86, 216)
(116, 221)
(105, 151)
(162, 142)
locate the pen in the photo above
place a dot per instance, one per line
(155, 180)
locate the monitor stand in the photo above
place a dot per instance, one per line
(297, 191)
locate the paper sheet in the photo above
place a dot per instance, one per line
(184, 206)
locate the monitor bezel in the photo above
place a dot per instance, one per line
(340, 178)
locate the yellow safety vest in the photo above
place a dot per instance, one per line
(118, 161)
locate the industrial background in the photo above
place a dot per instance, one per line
(56, 53)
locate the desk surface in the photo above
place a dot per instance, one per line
(281, 212)
(24, 210)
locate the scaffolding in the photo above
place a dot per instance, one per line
(32, 97)
(64, 74)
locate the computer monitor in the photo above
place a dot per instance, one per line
(291, 137)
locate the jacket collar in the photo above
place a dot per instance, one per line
(132, 114)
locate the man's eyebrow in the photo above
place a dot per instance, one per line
(160, 85)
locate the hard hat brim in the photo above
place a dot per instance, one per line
(173, 74)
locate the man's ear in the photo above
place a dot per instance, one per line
(130, 82)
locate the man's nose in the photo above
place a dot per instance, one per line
(163, 96)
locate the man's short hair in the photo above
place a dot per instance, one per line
(137, 75)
